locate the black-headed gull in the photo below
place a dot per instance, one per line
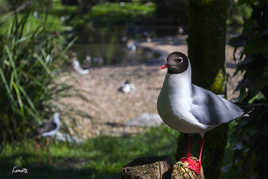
(47, 129)
(189, 108)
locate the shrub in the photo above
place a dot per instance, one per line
(28, 64)
(250, 149)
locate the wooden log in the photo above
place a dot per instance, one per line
(148, 168)
(158, 168)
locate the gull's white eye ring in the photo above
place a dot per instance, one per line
(179, 59)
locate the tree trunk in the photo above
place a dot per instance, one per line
(206, 49)
(158, 168)
(69, 2)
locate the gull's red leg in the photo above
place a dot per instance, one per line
(193, 164)
(38, 148)
(201, 150)
(189, 146)
(49, 157)
(47, 143)
(38, 151)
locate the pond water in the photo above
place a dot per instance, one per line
(118, 45)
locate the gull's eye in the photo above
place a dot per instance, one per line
(179, 59)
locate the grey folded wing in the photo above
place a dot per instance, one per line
(211, 109)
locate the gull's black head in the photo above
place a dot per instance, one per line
(177, 62)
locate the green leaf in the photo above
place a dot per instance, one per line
(18, 97)
(6, 86)
(42, 62)
(33, 110)
(258, 96)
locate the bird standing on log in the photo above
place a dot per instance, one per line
(189, 108)
(47, 129)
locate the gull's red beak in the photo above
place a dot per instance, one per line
(163, 66)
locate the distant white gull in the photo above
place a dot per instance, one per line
(78, 68)
(131, 45)
(189, 108)
(126, 87)
(48, 58)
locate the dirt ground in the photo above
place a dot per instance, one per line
(98, 108)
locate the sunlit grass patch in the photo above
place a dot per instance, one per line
(51, 23)
(62, 10)
(130, 9)
(117, 14)
(102, 156)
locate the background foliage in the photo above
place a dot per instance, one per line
(29, 62)
(250, 158)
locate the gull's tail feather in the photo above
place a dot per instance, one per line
(248, 108)
(235, 110)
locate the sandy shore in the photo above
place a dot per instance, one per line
(103, 110)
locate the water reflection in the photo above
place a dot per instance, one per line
(117, 45)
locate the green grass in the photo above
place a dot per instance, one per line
(113, 13)
(52, 24)
(116, 14)
(62, 10)
(128, 9)
(104, 14)
(53, 21)
(101, 157)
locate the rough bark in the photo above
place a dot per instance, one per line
(206, 49)
(158, 168)
(148, 168)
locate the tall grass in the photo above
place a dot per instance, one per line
(29, 59)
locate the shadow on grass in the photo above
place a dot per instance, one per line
(100, 158)
(47, 171)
